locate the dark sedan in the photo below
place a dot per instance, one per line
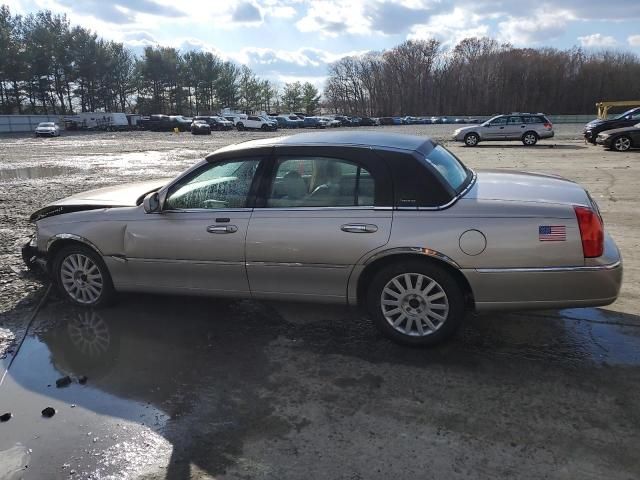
(620, 139)
(627, 119)
(200, 127)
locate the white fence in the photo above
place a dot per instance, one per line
(26, 123)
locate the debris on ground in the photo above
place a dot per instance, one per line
(5, 417)
(48, 412)
(63, 382)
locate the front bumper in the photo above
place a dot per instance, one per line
(31, 257)
(606, 141)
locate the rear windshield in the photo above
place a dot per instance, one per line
(448, 166)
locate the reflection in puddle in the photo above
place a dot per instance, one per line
(27, 173)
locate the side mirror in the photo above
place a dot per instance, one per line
(151, 203)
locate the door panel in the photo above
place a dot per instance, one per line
(197, 242)
(514, 129)
(496, 130)
(177, 250)
(306, 252)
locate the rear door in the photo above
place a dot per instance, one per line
(320, 215)
(515, 128)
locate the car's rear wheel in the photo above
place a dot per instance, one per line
(240, 127)
(621, 143)
(416, 303)
(529, 139)
(82, 276)
(471, 139)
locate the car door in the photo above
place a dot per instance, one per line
(196, 243)
(515, 128)
(495, 129)
(318, 218)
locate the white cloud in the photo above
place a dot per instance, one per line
(451, 27)
(597, 40)
(539, 29)
(634, 40)
(334, 17)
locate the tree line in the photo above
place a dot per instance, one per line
(479, 76)
(48, 66)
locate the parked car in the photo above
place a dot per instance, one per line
(526, 127)
(314, 122)
(344, 121)
(416, 258)
(200, 127)
(332, 122)
(47, 129)
(386, 121)
(216, 122)
(620, 139)
(594, 127)
(459, 120)
(253, 122)
(156, 123)
(285, 122)
(183, 124)
(367, 122)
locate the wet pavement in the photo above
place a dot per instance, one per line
(196, 388)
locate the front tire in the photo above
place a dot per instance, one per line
(471, 139)
(621, 143)
(416, 303)
(82, 276)
(529, 139)
(240, 127)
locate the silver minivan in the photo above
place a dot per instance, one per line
(526, 127)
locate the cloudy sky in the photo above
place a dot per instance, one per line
(295, 39)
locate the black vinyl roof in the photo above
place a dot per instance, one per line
(367, 138)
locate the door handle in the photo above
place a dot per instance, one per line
(522, 126)
(359, 228)
(222, 229)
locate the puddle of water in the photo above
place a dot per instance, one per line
(27, 173)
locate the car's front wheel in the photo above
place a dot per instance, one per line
(82, 276)
(240, 127)
(529, 139)
(416, 303)
(471, 139)
(621, 143)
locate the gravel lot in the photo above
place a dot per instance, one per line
(250, 390)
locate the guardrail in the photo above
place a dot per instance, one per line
(26, 123)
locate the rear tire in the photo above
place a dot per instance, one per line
(264, 128)
(82, 277)
(529, 139)
(240, 127)
(471, 139)
(621, 143)
(416, 303)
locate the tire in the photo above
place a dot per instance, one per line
(82, 277)
(471, 139)
(264, 128)
(621, 143)
(240, 127)
(416, 304)
(529, 139)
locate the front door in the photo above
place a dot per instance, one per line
(196, 244)
(495, 130)
(318, 220)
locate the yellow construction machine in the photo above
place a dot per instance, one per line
(603, 107)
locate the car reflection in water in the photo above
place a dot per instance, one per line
(222, 373)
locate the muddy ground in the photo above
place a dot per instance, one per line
(181, 387)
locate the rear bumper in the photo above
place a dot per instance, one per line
(597, 283)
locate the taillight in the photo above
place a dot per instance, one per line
(548, 125)
(591, 232)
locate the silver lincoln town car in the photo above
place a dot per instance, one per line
(393, 223)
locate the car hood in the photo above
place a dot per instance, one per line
(619, 130)
(595, 122)
(526, 187)
(127, 195)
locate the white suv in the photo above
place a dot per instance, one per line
(256, 123)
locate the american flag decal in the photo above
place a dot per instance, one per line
(552, 233)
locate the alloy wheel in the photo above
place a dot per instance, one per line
(622, 144)
(81, 278)
(414, 304)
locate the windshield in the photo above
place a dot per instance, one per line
(628, 112)
(46, 124)
(448, 166)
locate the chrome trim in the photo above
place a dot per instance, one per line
(295, 264)
(207, 210)
(182, 261)
(71, 236)
(594, 268)
(413, 250)
(314, 209)
(450, 202)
